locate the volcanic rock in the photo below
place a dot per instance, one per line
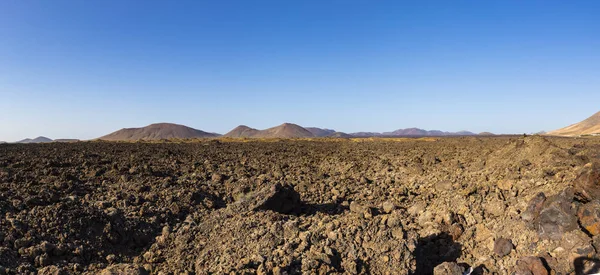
(530, 266)
(448, 268)
(587, 184)
(534, 207)
(589, 217)
(502, 247)
(557, 216)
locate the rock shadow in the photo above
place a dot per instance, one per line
(285, 200)
(585, 265)
(434, 250)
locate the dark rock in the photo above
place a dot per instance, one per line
(502, 247)
(534, 207)
(589, 217)
(279, 198)
(448, 268)
(556, 216)
(587, 184)
(530, 266)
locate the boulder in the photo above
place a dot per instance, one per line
(556, 216)
(587, 184)
(589, 217)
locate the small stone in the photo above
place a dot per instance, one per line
(276, 270)
(505, 184)
(530, 266)
(503, 247)
(149, 257)
(44, 260)
(448, 268)
(495, 207)
(443, 186)
(455, 230)
(388, 207)
(111, 258)
(355, 207)
(22, 242)
(217, 178)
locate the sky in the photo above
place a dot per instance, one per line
(82, 69)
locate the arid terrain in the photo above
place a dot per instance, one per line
(496, 205)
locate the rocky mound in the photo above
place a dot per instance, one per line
(286, 130)
(339, 135)
(319, 132)
(35, 140)
(589, 126)
(241, 131)
(157, 131)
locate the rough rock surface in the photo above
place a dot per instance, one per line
(448, 268)
(365, 206)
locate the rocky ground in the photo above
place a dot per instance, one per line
(502, 205)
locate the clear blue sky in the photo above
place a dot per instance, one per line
(81, 69)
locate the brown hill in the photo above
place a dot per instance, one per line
(286, 130)
(35, 140)
(241, 131)
(320, 132)
(340, 135)
(157, 131)
(589, 126)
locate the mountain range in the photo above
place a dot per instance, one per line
(286, 130)
(589, 126)
(35, 140)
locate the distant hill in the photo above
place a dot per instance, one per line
(319, 132)
(365, 134)
(35, 140)
(157, 131)
(339, 135)
(241, 131)
(413, 132)
(486, 134)
(589, 126)
(286, 130)
(426, 133)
